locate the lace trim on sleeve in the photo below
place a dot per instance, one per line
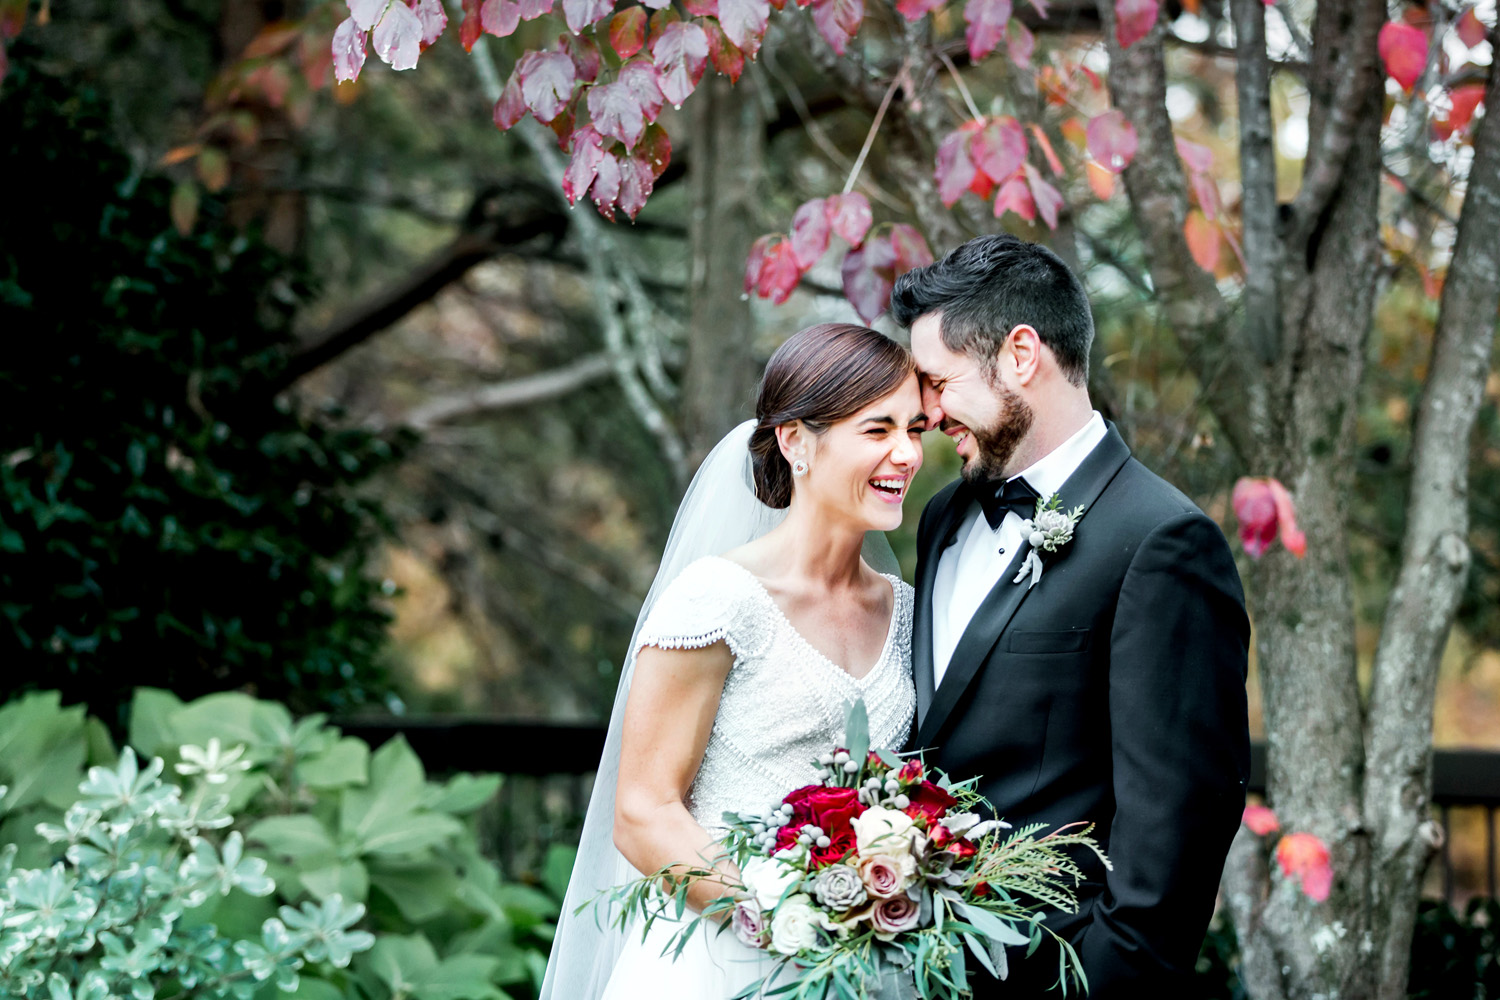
(698, 609)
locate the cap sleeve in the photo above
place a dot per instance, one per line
(705, 604)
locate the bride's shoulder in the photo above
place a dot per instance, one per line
(711, 599)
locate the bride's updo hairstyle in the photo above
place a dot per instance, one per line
(820, 375)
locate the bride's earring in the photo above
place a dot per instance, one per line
(799, 468)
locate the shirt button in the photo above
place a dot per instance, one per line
(1002, 550)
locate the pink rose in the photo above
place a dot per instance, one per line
(881, 875)
(749, 923)
(911, 770)
(895, 915)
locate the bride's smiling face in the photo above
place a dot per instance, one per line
(861, 467)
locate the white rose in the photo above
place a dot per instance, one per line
(879, 830)
(768, 880)
(794, 925)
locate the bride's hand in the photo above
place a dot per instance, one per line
(674, 696)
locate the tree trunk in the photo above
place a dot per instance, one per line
(724, 175)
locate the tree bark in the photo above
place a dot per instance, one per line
(724, 176)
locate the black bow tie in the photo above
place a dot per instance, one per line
(997, 498)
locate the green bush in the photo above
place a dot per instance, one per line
(332, 820)
(163, 520)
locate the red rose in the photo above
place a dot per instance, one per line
(928, 801)
(839, 847)
(829, 809)
(981, 889)
(944, 839)
(910, 771)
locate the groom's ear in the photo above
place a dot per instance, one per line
(1025, 352)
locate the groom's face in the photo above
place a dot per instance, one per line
(968, 401)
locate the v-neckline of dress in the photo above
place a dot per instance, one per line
(890, 629)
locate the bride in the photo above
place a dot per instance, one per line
(763, 624)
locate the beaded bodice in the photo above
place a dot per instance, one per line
(783, 702)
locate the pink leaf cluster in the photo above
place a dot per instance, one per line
(1134, 20)
(778, 261)
(1302, 857)
(986, 154)
(1264, 509)
(399, 30)
(1112, 140)
(1403, 50)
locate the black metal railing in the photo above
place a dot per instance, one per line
(549, 770)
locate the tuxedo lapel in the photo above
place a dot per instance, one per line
(944, 528)
(989, 622)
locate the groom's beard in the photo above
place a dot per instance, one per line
(995, 445)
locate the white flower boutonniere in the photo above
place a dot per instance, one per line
(1048, 531)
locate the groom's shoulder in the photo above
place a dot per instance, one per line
(1143, 501)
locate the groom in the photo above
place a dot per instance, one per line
(1109, 689)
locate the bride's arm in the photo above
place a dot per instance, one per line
(674, 696)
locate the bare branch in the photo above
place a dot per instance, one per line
(1258, 173)
(526, 391)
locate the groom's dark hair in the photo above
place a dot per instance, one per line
(989, 286)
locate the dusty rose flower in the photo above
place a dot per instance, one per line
(882, 875)
(749, 923)
(895, 915)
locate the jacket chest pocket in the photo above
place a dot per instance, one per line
(1026, 642)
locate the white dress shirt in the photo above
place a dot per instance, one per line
(981, 556)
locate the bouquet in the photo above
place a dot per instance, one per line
(884, 868)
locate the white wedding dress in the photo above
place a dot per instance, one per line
(782, 706)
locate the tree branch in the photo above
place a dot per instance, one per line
(1258, 175)
(510, 394)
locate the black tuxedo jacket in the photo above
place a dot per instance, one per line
(1114, 692)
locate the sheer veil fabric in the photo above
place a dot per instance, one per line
(718, 513)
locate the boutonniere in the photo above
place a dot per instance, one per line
(1048, 531)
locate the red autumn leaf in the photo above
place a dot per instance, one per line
(915, 10)
(1045, 144)
(641, 76)
(909, 248)
(1471, 30)
(1203, 240)
(348, 51)
(627, 31)
(1263, 507)
(366, 13)
(1015, 196)
(616, 112)
(754, 261)
(1020, 43)
(744, 23)
(433, 17)
(547, 80)
(316, 59)
(583, 165)
(511, 107)
(606, 189)
(500, 17)
(637, 178)
(1462, 103)
(1101, 181)
(810, 233)
(986, 20)
(1048, 199)
(955, 170)
(681, 55)
(726, 56)
(999, 148)
(273, 38)
(849, 216)
(1260, 820)
(779, 272)
(1403, 49)
(1206, 192)
(473, 24)
(838, 21)
(1292, 538)
(581, 13)
(1112, 140)
(562, 126)
(1134, 20)
(655, 150)
(869, 275)
(584, 52)
(1305, 860)
(1199, 159)
(701, 8)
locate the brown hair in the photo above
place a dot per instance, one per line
(820, 375)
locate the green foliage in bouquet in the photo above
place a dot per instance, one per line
(328, 818)
(881, 871)
(121, 914)
(163, 519)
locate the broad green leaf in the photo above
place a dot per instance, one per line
(42, 750)
(347, 762)
(151, 712)
(296, 837)
(403, 834)
(421, 892)
(314, 989)
(402, 961)
(557, 868)
(349, 879)
(228, 716)
(464, 793)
